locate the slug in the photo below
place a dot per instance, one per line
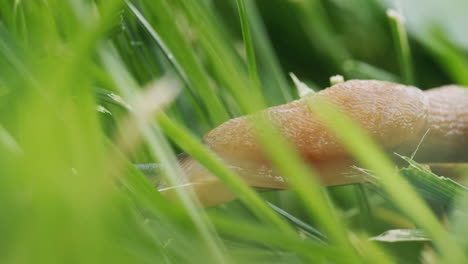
(396, 116)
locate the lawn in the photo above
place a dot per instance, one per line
(101, 99)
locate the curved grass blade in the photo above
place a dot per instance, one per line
(198, 151)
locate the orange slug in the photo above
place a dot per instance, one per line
(396, 116)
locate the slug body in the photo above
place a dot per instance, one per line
(395, 115)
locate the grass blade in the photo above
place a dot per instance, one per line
(197, 81)
(232, 181)
(402, 235)
(273, 75)
(402, 45)
(436, 189)
(162, 151)
(249, 47)
(300, 224)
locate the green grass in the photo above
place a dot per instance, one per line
(397, 21)
(70, 194)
